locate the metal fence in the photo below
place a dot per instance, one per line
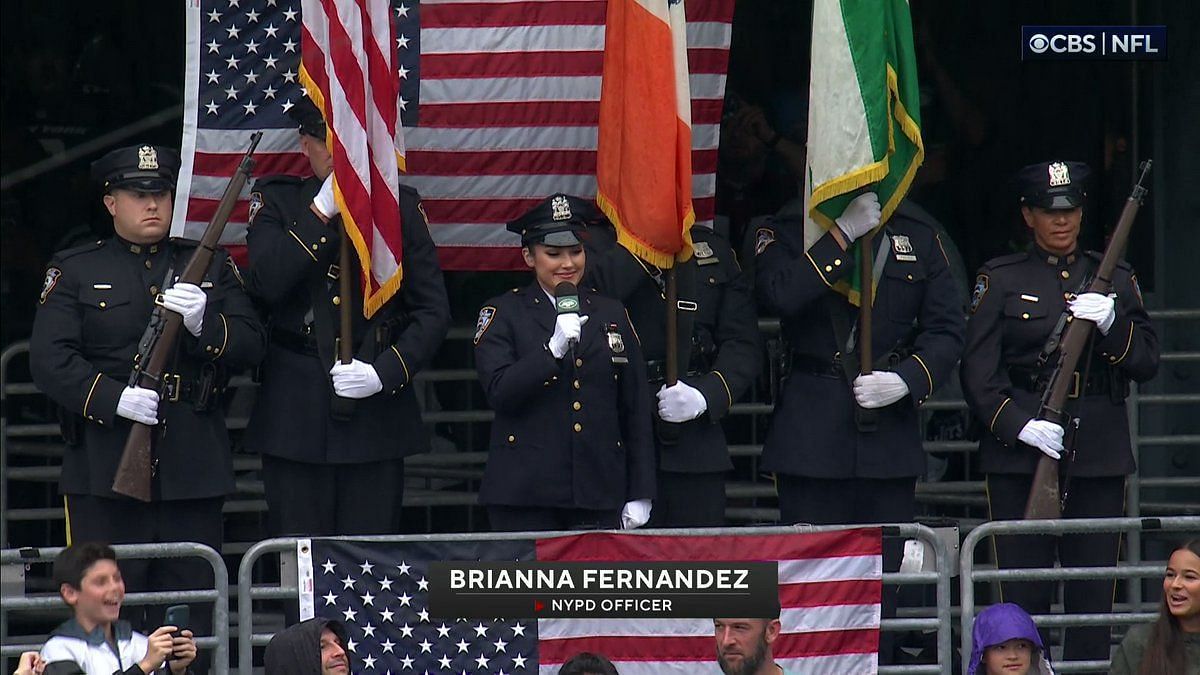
(972, 574)
(940, 621)
(15, 600)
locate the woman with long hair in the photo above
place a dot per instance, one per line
(1170, 645)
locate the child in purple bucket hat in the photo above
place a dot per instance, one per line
(1006, 642)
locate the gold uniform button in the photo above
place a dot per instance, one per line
(1025, 315)
(337, 300)
(829, 268)
(103, 304)
(148, 265)
(323, 240)
(577, 405)
(154, 290)
(837, 262)
(512, 439)
(575, 384)
(908, 276)
(578, 427)
(712, 280)
(578, 362)
(314, 247)
(1065, 274)
(208, 348)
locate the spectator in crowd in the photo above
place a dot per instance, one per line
(571, 445)
(30, 663)
(586, 663)
(718, 356)
(1012, 340)
(96, 641)
(95, 305)
(744, 646)
(312, 647)
(332, 433)
(1170, 645)
(1006, 642)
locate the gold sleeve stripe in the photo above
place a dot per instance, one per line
(302, 245)
(225, 328)
(992, 426)
(632, 327)
(67, 515)
(91, 391)
(1128, 344)
(726, 384)
(926, 369)
(818, 269)
(937, 237)
(407, 376)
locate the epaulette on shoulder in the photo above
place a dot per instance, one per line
(1005, 260)
(80, 249)
(276, 179)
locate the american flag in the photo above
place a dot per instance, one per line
(501, 101)
(830, 584)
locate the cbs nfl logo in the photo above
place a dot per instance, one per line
(1107, 43)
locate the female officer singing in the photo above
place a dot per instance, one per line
(562, 367)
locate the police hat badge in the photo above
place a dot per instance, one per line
(561, 207)
(147, 158)
(1059, 174)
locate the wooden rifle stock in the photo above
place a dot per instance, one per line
(134, 473)
(1045, 500)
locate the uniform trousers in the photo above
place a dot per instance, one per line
(504, 518)
(1101, 497)
(315, 500)
(689, 500)
(125, 521)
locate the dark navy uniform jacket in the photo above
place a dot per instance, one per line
(1017, 301)
(719, 350)
(918, 312)
(567, 434)
(293, 259)
(95, 305)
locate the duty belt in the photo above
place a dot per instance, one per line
(1099, 381)
(296, 342)
(656, 371)
(812, 365)
(200, 392)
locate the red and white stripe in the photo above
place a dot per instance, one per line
(829, 590)
(509, 102)
(348, 64)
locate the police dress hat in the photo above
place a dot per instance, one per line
(558, 220)
(306, 115)
(142, 168)
(1053, 185)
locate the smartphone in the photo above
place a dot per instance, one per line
(178, 616)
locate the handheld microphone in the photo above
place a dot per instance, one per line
(566, 301)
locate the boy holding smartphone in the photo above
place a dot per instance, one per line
(96, 641)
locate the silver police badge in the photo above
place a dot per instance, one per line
(901, 244)
(485, 320)
(561, 207)
(1059, 175)
(256, 203)
(615, 342)
(147, 158)
(763, 238)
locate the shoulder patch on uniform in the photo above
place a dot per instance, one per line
(421, 208)
(52, 276)
(486, 314)
(256, 203)
(763, 238)
(981, 289)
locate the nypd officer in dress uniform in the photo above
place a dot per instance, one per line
(827, 469)
(334, 437)
(1016, 304)
(94, 307)
(571, 444)
(719, 355)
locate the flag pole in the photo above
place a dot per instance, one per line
(864, 417)
(671, 367)
(345, 293)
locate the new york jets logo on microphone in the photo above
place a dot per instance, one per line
(567, 304)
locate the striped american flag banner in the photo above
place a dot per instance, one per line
(499, 99)
(829, 589)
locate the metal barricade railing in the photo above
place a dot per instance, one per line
(247, 593)
(218, 595)
(970, 574)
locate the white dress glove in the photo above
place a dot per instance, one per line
(1043, 435)
(567, 327)
(324, 201)
(1097, 308)
(188, 300)
(635, 514)
(139, 405)
(878, 389)
(355, 379)
(680, 402)
(861, 216)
